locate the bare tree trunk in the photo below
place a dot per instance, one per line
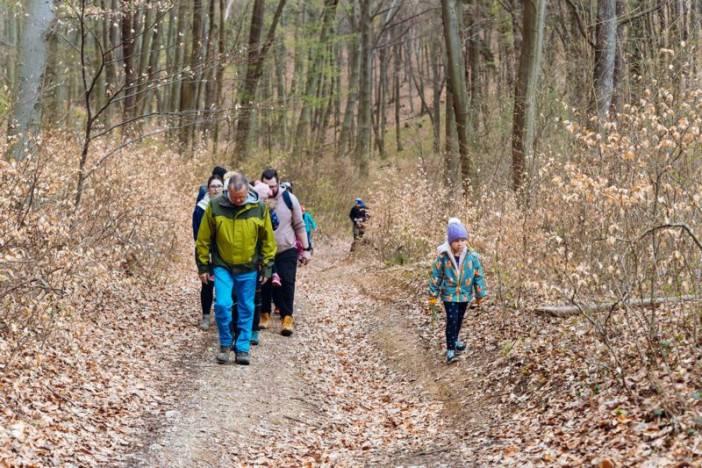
(396, 93)
(437, 86)
(315, 73)
(474, 47)
(51, 82)
(452, 18)
(188, 104)
(254, 68)
(452, 163)
(150, 55)
(211, 64)
(352, 54)
(26, 109)
(605, 54)
(281, 93)
(128, 51)
(220, 72)
(364, 90)
(525, 93)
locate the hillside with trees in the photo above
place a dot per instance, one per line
(565, 134)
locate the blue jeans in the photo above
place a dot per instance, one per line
(244, 284)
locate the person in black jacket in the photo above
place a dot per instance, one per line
(214, 188)
(359, 215)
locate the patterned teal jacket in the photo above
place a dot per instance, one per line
(457, 283)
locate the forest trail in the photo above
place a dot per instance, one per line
(353, 386)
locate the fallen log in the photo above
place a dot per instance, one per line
(574, 309)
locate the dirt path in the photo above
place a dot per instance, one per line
(352, 386)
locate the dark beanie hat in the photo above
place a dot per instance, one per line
(219, 171)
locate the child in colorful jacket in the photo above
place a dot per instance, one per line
(456, 278)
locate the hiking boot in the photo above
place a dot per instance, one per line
(264, 322)
(223, 355)
(254, 338)
(205, 322)
(460, 346)
(288, 323)
(275, 280)
(451, 356)
(242, 358)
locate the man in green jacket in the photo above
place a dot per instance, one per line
(236, 234)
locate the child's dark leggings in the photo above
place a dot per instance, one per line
(454, 319)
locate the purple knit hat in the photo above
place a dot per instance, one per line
(456, 231)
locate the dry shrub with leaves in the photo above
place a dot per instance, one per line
(613, 219)
(76, 282)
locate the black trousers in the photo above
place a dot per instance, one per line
(206, 297)
(284, 296)
(454, 319)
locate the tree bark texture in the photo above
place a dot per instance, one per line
(525, 92)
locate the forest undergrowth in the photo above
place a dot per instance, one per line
(610, 218)
(84, 288)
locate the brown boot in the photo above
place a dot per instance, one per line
(288, 323)
(264, 321)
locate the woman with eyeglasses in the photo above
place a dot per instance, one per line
(215, 185)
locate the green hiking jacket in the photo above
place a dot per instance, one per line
(239, 238)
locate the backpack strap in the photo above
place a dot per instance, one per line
(287, 200)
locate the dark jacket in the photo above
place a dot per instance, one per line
(199, 210)
(358, 212)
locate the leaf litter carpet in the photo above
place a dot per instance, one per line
(347, 388)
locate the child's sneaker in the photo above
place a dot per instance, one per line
(460, 346)
(451, 356)
(275, 280)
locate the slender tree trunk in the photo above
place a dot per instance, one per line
(474, 47)
(452, 19)
(188, 91)
(108, 44)
(352, 55)
(32, 52)
(364, 90)
(452, 163)
(315, 73)
(281, 94)
(437, 85)
(605, 55)
(148, 74)
(525, 93)
(180, 48)
(220, 73)
(254, 68)
(128, 52)
(51, 82)
(211, 61)
(396, 93)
